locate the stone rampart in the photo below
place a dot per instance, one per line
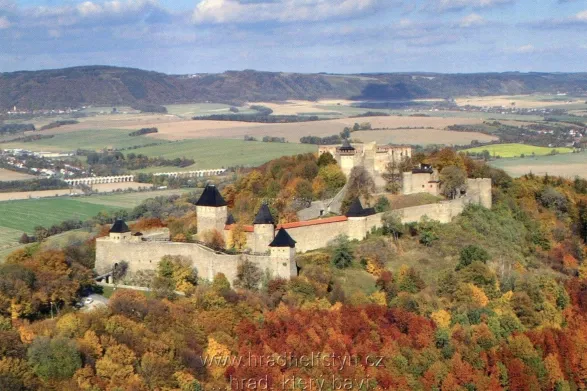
(317, 236)
(144, 255)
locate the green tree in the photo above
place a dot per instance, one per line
(346, 133)
(453, 180)
(470, 254)
(392, 224)
(342, 255)
(382, 204)
(326, 159)
(428, 230)
(54, 359)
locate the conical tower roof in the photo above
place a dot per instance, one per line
(282, 239)
(346, 146)
(264, 216)
(211, 197)
(356, 210)
(119, 227)
(230, 220)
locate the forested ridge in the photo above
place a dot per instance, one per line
(102, 85)
(495, 300)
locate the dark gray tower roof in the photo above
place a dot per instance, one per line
(282, 239)
(119, 227)
(264, 216)
(211, 197)
(346, 146)
(357, 210)
(230, 220)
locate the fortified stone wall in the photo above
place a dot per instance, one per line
(146, 256)
(479, 191)
(317, 236)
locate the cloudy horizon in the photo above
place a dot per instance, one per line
(343, 36)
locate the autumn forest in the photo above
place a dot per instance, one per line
(494, 300)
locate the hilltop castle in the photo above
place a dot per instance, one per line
(270, 246)
(373, 157)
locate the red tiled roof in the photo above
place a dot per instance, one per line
(299, 224)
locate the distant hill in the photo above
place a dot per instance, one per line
(102, 85)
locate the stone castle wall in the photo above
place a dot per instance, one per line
(317, 236)
(146, 256)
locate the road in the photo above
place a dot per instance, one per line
(98, 301)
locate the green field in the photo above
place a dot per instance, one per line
(130, 200)
(516, 150)
(21, 216)
(566, 165)
(25, 215)
(86, 139)
(217, 153)
(203, 109)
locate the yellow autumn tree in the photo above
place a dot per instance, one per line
(90, 344)
(117, 365)
(477, 295)
(441, 318)
(374, 266)
(69, 325)
(378, 298)
(218, 354)
(238, 237)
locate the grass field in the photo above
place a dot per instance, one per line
(516, 150)
(25, 215)
(21, 216)
(566, 165)
(129, 200)
(216, 153)
(86, 139)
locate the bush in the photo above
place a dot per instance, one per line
(248, 275)
(342, 256)
(428, 230)
(470, 254)
(382, 204)
(142, 131)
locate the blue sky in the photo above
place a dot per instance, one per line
(338, 36)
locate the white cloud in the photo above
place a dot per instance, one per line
(225, 11)
(582, 16)
(454, 5)
(574, 21)
(88, 11)
(525, 49)
(472, 20)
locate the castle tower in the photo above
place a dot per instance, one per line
(211, 210)
(283, 248)
(263, 229)
(119, 231)
(357, 220)
(347, 154)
